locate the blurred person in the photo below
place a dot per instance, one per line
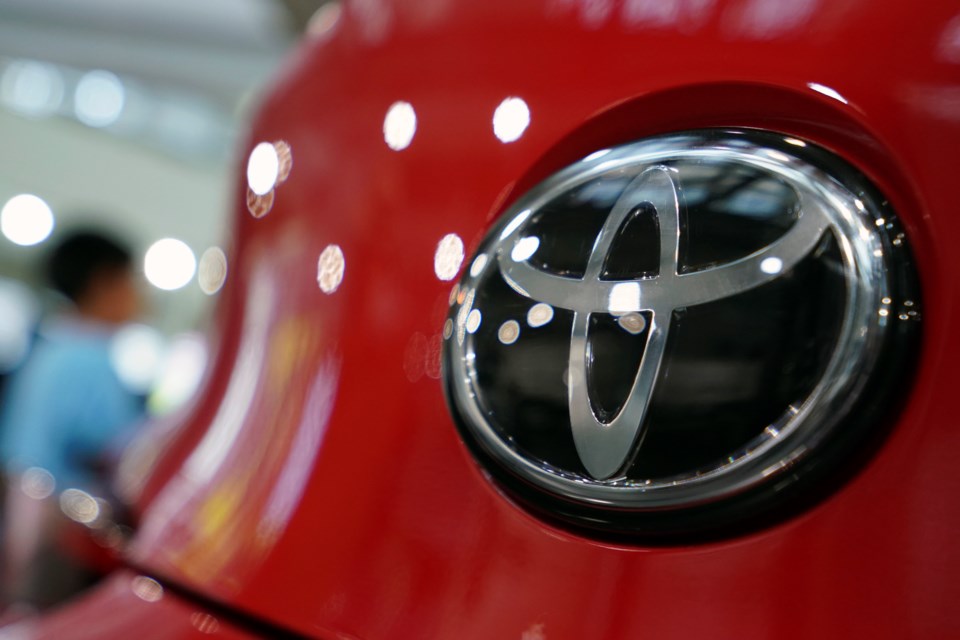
(63, 414)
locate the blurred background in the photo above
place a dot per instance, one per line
(126, 117)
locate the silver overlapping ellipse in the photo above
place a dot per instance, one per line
(606, 447)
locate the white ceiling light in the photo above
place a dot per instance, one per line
(26, 220)
(169, 264)
(99, 98)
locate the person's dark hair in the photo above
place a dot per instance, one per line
(82, 255)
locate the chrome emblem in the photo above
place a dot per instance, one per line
(604, 447)
(548, 263)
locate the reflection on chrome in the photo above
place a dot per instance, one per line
(99, 98)
(633, 323)
(79, 506)
(624, 297)
(771, 265)
(511, 119)
(539, 315)
(330, 268)
(466, 306)
(263, 168)
(525, 248)
(37, 483)
(478, 264)
(26, 220)
(399, 125)
(795, 142)
(324, 20)
(454, 293)
(827, 91)
(473, 321)
(213, 270)
(448, 257)
(169, 264)
(509, 332)
(259, 206)
(147, 589)
(596, 155)
(447, 329)
(512, 226)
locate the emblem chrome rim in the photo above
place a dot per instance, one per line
(606, 448)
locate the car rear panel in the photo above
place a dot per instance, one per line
(319, 482)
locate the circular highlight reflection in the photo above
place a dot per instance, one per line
(26, 220)
(169, 264)
(399, 125)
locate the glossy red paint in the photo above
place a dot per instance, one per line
(130, 606)
(319, 482)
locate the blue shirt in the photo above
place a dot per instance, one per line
(66, 406)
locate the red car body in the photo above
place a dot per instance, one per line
(317, 487)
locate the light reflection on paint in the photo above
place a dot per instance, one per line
(827, 91)
(330, 268)
(399, 125)
(511, 119)
(296, 470)
(448, 257)
(257, 205)
(324, 21)
(204, 622)
(147, 589)
(212, 271)
(209, 456)
(285, 160)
